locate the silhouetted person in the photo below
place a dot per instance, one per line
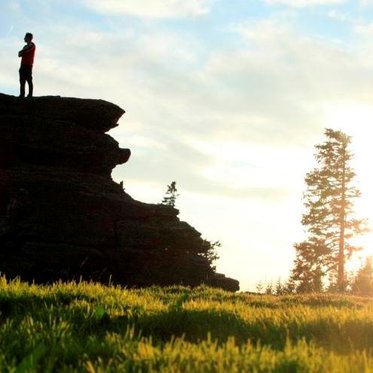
(25, 71)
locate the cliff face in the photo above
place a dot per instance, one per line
(63, 217)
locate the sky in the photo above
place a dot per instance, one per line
(226, 97)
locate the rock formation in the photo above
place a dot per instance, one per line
(63, 217)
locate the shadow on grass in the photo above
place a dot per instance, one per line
(195, 325)
(22, 304)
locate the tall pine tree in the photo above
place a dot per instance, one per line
(329, 217)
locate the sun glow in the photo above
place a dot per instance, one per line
(356, 120)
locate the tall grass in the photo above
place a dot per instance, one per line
(87, 327)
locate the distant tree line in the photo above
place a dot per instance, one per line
(359, 283)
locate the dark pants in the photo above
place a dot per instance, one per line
(25, 75)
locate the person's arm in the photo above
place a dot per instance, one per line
(26, 49)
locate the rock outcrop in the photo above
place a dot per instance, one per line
(63, 217)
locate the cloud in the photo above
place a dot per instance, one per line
(152, 8)
(338, 16)
(304, 3)
(366, 3)
(289, 67)
(364, 30)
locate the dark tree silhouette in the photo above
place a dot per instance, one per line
(171, 195)
(210, 252)
(329, 218)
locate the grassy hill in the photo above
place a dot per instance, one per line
(86, 327)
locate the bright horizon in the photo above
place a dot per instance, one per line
(226, 98)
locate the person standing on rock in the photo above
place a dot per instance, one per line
(27, 54)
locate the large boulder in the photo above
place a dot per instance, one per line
(63, 217)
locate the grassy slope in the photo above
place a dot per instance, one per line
(92, 328)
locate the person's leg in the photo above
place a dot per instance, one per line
(30, 86)
(22, 82)
(29, 81)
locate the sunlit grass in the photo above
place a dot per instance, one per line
(86, 327)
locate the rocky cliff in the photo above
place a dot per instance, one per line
(63, 217)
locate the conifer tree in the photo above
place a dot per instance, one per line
(329, 217)
(171, 194)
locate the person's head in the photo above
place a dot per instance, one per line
(28, 37)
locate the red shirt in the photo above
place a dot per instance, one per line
(28, 53)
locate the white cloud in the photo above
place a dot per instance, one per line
(338, 16)
(152, 8)
(366, 3)
(305, 69)
(304, 3)
(364, 30)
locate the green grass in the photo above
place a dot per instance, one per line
(86, 327)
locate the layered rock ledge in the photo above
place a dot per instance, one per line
(63, 217)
